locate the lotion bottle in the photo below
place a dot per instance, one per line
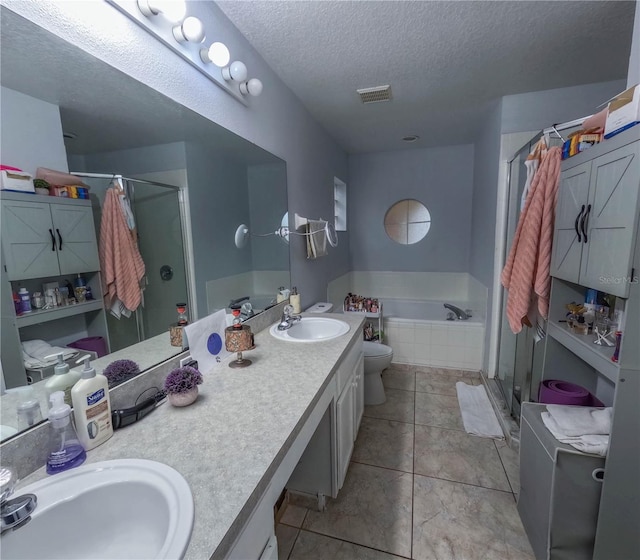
(62, 379)
(65, 451)
(91, 407)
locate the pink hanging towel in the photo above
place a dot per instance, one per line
(121, 263)
(526, 272)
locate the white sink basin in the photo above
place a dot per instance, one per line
(312, 329)
(125, 509)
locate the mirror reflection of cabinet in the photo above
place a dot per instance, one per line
(47, 238)
(46, 241)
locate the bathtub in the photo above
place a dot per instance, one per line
(419, 334)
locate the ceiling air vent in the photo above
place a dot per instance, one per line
(375, 94)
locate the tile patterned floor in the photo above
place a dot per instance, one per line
(418, 486)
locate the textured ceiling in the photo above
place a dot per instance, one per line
(444, 60)
(107, 109)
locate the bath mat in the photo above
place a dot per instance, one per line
(478, 416)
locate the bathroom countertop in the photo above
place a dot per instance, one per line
(230, 442)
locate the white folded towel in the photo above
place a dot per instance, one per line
(590, 443)
(316, 239)
(38, 353)
(581, 420)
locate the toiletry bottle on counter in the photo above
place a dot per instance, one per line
(91, 407)
(280, 297)
(294, 300)
(65, 450)
(25, 300)
(62, 379)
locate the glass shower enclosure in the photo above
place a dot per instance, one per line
(156, 208)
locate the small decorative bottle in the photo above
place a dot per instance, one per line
(616, 352)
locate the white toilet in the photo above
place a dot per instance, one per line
(377, 358)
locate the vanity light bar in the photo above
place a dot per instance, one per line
(166, 21)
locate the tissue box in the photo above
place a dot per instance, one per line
(623, 112)
(16, 181)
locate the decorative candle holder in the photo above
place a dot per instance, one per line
(238, 338)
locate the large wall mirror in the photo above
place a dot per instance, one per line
(190, 182)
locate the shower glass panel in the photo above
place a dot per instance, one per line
(514, 357)
(156, 210)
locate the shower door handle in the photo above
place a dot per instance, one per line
(575, 225)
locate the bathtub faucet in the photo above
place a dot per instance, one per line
(461, 315)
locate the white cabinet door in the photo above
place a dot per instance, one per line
(28, 240)
(573, 195)
(75, 238)
(610, 221)
(359, 396)
(344, 430)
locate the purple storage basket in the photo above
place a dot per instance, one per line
(95, 344)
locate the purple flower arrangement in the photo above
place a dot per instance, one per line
(182, 380)
(118, 371)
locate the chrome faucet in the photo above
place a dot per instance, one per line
(461, 315)
(288, 318)
(16, 512)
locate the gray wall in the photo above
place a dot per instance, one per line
(483, 218)
(149, 159)
(267, 185)
(440, 178)
(30, 133)
(275, 121)
(540, 109)
(633, 76)
(219, 203)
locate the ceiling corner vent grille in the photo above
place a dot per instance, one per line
(375, 94)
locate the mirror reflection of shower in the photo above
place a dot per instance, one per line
(156, 210)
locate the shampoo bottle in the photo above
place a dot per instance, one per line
(91, 407)
(62, 380)
(65, 451)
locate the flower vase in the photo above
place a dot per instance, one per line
(183, 399)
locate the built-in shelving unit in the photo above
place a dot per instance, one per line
(598, 357)
(43, 315)
(601, 253)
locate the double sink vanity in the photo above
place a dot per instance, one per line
(287, 421)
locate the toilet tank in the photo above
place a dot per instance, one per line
(320, 307)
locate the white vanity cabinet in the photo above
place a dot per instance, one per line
(43, 237)
(596, 215)
(322, 469)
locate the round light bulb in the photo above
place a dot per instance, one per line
(217, 53)
(252, 87)
(191, 29)
(173, 10)
(236, 71)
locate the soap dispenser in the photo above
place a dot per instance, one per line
(62, 379)
(65, 450)
(91, 407)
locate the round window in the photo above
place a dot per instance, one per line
(407, 221)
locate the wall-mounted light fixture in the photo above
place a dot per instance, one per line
(236, 71)
(252, 87)
(167, 21)
(217, 53)
(173, 10)
(191, 29)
